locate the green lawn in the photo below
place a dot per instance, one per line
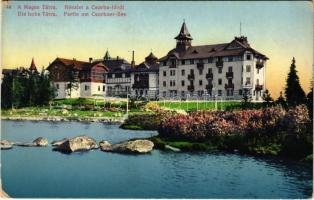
(201, 105)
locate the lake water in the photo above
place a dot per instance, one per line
(41, 172)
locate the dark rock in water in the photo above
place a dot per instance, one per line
(41, 142)
(105, 145)
(6, 144)
(136, 146)
(58, 142)
(79, 143)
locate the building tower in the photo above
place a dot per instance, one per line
(107, 56)
(184, 39)
(33, 67)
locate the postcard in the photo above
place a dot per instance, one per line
(157, 99)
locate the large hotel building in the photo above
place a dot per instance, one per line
(226, 71)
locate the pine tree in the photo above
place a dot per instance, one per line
(73, 83)
(46, 90)
(267, 98)
(6, 91)
(281, 100)
(293, 91)
(309, 102)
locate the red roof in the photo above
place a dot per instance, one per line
(77, 64)
(33, 66)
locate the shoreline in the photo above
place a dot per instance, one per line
(109, 120)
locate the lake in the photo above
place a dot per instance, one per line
(34, 172)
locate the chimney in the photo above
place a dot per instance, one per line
(90, 59)
(133, 62)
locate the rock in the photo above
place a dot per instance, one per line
(105, 145)
(172, 148)
(79, 143)
(25, 144)
(58, 142)
(6, 144)
(41, 142)
(136, 146)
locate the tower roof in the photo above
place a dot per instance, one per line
(184, 33)
(107, 56)
(33, 66)
(151, 56)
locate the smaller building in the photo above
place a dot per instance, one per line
(145, 78)
(73, 78)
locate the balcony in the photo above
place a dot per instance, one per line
(219, 63)
(258, 87)
(140, 85)
(229, 74)
(209, 76)
(191, 88)
(191, 76)
(259, 64)
(229, 86)
(209, 87)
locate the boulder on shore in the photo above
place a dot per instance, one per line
(40, 142)
(136, 146)
(79, 143)
(6, 144)
(58, 142)
(105, 145)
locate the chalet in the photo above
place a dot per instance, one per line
(73, 78)
(144, 78)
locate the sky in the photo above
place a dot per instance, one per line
(281, 30)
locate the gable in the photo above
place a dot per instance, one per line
(234, 45)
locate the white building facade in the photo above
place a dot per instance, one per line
(225, 71)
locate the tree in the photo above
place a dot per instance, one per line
(73, 83)
(6, 91)
(267, 98)
(46, 90)
(281, 100)
(309, 103)
(293, 91)
(246, 96)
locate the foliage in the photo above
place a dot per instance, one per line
(26, 88)
(246, 96)
(152, 106)
(293, 91)
(281, 101)
(309, 103)
(267, 97)
(248, 130)
(73, 80)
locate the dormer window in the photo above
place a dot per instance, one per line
(210, 60)
(165, 63)
(248, 56)
(183, 62)
(191, 61)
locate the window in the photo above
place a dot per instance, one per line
(210, 60)
(192, 71)
(210, 70)
(182, 83)
(219, 92)
(248, 81)
(229, 92)
(220, 81)
(200, 82)
(183, 72)
(164, 84)
(182, 93)
(86, 87)
(240, 92)
(230, 59)
(219, 70)
(172, 83)
(183, 62)
(164, 63)
(103, 88)
(165, 73)
(191, 61)
(248, 56)
(57, 85)
(164, 94)
(230, 69)
(98, 88)
(172, 72)
(109, 75)
(248, 68)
